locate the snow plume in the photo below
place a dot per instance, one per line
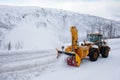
(32, 38)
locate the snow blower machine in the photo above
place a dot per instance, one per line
(93, 48)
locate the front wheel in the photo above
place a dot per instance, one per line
(93, 54)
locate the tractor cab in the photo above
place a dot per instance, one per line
(95, 38)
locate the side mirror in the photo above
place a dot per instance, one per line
(62, 48)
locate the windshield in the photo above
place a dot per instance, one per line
(94, 37)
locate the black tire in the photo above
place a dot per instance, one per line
(94, 54)
(105, 52)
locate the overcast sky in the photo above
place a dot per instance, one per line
(104, 8)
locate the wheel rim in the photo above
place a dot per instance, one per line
(95, 55)
(106, 52)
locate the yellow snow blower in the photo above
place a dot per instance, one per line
(76, 53)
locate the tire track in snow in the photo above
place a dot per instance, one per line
(5, 61)
(25, 66)
(27, 63)
(11, 53)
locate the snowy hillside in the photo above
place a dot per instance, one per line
(37, 28)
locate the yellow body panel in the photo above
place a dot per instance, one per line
(82, 51)
(78, 59)
(68, 49)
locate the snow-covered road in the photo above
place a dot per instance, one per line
(14, 60)
(35, 66)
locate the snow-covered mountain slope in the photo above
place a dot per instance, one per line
(42, 28)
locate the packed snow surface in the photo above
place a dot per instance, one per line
(43, 65)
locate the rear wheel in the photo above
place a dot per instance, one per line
(93, 54)
(105, 52)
